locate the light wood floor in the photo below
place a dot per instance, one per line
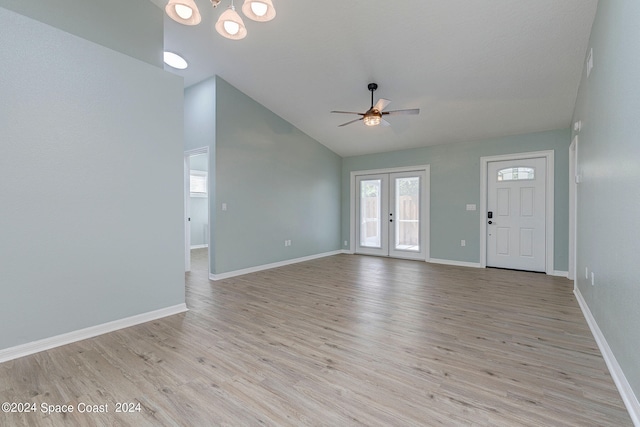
(339, 341)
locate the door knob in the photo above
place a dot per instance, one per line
(490, 222)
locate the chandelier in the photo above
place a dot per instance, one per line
(229, 24)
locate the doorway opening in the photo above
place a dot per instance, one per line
(196, 206)
(390, 212)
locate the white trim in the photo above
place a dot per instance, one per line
(199, 246)
(90, 332)
(257, 268)
(549, 214)
(187, 203)
(187, 213)
(573, 207)
(426, 197)
(560, 273)
(196, 151)
(453, 262)
(626, 392)
(391, 170)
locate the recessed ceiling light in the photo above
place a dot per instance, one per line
(174, 60)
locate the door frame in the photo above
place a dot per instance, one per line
(549, 208)
(573, 209)
(426, 195)
(187, 204)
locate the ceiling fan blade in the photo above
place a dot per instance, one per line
(381, 104)
(401, 112)
(384, 123)
(347, 112)
(352, 121)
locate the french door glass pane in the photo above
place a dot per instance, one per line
(407, 209)
(370, 210)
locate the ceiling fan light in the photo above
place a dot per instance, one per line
(184, 12)
(259, 10)
(230, 25)
(372, 120)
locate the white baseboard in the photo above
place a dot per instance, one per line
(199, 246)
(257, 268)
(451, 262)
(90, 332)
(626, 392)
(560, 273)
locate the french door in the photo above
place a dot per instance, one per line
(390, 210)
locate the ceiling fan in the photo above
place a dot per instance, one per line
(373, 116)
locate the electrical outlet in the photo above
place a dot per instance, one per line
(346, 243)
(463, 243)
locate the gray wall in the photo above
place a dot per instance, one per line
(277, 182)
(609, 195)
(455, 182)
(91, 142)
(133, 27)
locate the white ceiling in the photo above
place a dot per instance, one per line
(477, 69)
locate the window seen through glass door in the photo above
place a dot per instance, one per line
(407, 209)
(370, 206)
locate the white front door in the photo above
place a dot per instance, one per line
(516, 212)
(390, 209)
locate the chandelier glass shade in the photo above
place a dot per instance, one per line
(184, 12)
(229, 24)
(259, 10)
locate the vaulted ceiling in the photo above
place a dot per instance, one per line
(476, 69)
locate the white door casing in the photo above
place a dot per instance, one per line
(573, 207)
(187, 214)
(389, 212)
(548, 207)
(516, 214)
(187, 204)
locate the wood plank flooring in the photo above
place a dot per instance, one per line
(339, 341)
